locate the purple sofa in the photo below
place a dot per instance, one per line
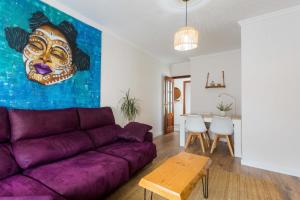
(66, 154)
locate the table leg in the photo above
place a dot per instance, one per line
(145, 195)
(205, 184)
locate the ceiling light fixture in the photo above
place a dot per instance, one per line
(186, 38)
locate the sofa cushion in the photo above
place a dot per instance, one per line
(136, 153)
(87, 176)
(135, 131)
(105, 135)
(4, 125)
(38, 123)
(20, 185)
(95, 117)
(8, 165)
(32, 152)
(138, 127)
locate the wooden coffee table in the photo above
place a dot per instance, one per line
(176, 178)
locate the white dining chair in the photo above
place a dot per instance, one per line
(196, 129)
(222, 127)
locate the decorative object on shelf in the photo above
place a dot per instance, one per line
(177, 94)
(129, 106)
(187, 37)
(232, 97)
(223, 108)
(212, 84)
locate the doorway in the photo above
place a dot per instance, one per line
(177, 101)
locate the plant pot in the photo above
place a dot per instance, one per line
(223, 113)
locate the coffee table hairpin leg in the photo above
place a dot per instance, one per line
(205, 184)
(145, 194)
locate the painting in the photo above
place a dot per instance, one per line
(49, 60)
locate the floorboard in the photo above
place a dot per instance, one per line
(232, 179)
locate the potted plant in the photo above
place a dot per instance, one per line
(129, 106)
(223, 108)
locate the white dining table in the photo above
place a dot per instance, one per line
(237, 135)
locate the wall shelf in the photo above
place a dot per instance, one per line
(222, 86)
(215, 85)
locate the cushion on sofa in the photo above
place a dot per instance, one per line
(87, 176)
(36, 123)
(4, 125)
(8, 165)
(20, 185)
(105, 135)
(95, 117)
(135, 131)
(32, 152)
(136, 153)
(148, 137)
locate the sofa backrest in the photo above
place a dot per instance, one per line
(40, 137)
(8, 165)
(95, 117)
(37, 123)
(4, 125)
(99, 123)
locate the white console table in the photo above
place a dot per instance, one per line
(237, 136)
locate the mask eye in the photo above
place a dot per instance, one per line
(37, 46)
(59, 54)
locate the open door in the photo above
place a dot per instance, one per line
(169, 105)
(186, 97)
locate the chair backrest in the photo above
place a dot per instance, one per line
(195, 123)
(221, 125)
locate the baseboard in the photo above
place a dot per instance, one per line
(265, 166)
(156, 134)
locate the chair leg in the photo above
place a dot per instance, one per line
(208, 139)
(205, 138)
(229, 146)
(193, 139)
(214, 144)
(202, 143)
(188, 141)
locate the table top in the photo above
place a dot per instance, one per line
(210, 115)
(176, 177)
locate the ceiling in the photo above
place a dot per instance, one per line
(151, 24)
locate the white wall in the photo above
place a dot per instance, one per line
(205, 100)
(270, 97)
(126, 66)
(123, 67)
(180, 69)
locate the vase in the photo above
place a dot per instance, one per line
(223, 113)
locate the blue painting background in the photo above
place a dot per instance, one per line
(16, 91)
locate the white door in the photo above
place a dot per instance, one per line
(187, 97)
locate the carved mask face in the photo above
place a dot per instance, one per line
(48, 56)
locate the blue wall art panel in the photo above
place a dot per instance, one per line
(48, 59)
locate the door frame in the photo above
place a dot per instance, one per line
(167, 127)
(179, 77)
(165, 118)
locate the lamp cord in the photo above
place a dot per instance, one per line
(186, 15)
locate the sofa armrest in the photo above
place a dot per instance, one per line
(148, 137)
(27, 198)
